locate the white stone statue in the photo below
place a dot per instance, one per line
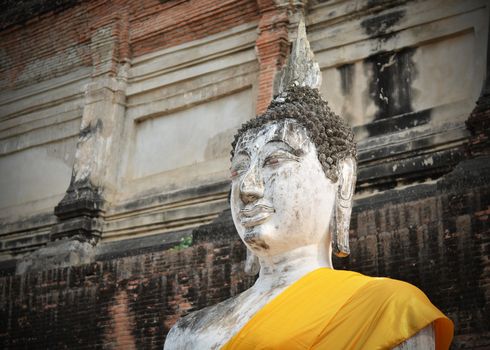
(293, 176)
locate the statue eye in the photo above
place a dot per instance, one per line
(235, 172)
(237, 169)
(239, 164)
(278, 157)
(271, 160)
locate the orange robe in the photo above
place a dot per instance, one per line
(334, 309)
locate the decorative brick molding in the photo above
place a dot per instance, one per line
(272, 48)
(277, 28)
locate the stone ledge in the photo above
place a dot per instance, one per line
(59, 254)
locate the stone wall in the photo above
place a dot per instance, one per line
(115, 123)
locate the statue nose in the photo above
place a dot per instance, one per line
(251, 186)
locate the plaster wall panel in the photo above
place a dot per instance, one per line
(406, 77)
(398, 59)
(407, 80)
(346, 90)
(35, 179)
(39, 127)
(231, 48)
(183, 105)
(446, 73)
(189, 138)
(18, 104)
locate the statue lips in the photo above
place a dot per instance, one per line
(255, 215)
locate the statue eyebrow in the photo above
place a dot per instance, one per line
(242, 152)
(281, 135)
(288, 147)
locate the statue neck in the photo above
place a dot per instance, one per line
(286, 268)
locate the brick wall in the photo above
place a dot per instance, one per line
(44, 45)
(157, 26)
(120, 303)
(48, 44)
(434, 236)
(272, 49)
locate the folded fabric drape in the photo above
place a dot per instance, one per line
(335, 309)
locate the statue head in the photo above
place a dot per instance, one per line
(293, 177)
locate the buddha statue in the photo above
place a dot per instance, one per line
(293, 173)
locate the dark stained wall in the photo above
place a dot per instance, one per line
(435, 236)
(120, 302)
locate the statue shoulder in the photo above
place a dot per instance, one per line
(401, 290)
(199, 327)
(417, 315)
(182, 333)
(424, 339)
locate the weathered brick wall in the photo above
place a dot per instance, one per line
(53, 58)
(45, 47)
(435, 236)
(48, 41)
(432, 235)
(157, 26)
(120, 303)
(272, 49)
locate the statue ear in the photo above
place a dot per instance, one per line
(252, 265)
(343, 206)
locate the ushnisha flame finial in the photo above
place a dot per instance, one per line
(301, 68)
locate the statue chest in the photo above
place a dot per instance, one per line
(213, 327)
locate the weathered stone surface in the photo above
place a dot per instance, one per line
(479, 121)
(301, 67)
(57, 255)
(81, 90)
(408, 128)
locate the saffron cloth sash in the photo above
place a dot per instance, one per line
(335, 309)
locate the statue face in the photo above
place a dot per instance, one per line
(280, 196)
